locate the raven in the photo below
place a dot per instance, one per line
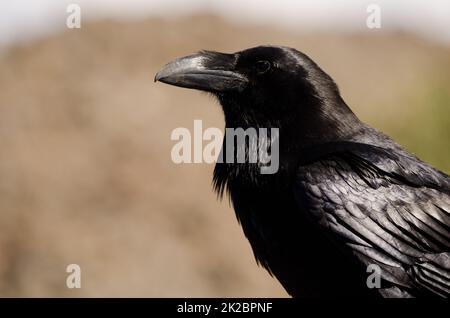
(347, 201)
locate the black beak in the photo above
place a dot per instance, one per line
(207, 71)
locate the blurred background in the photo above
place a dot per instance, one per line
(85, 169)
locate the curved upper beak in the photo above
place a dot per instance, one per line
(207, 71)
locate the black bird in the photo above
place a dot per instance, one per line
(345, 196)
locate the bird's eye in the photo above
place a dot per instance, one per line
(262, 67)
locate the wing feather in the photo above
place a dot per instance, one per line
(388, 209)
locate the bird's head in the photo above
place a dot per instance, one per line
(265, 86)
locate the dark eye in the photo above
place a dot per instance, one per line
(262, 67)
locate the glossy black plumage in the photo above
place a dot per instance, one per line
(345, 196)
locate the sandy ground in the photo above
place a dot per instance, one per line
(85, 169)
